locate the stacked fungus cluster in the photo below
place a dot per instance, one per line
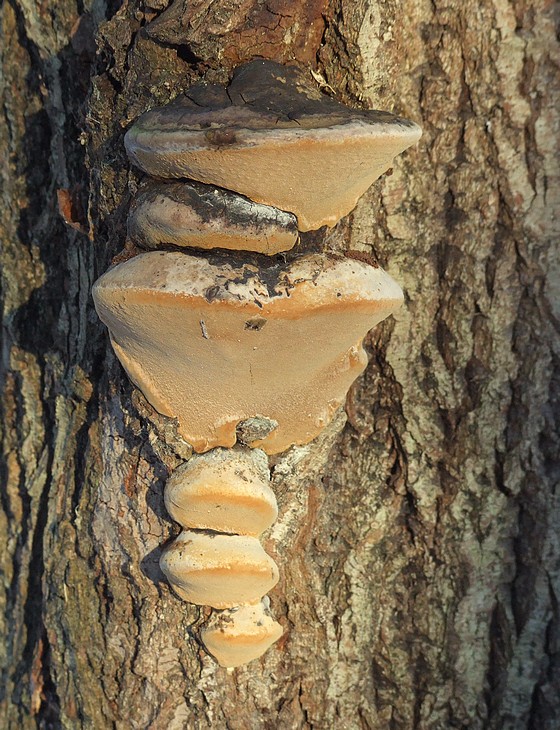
(228, 327)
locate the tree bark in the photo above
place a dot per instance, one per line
(419, 546)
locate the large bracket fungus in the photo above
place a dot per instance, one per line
(230, 343)
(212, 344)
(275, 138)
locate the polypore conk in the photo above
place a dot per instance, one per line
(260, 353)
(238, 636)
(200, 216)
(272, 137)
(213, 344)
(223, 490)
(218, 570)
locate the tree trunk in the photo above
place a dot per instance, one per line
(420, 567)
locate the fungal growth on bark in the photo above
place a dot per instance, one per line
(250, 354)
(219, 570)
(196, 216)
(241, 634)
(224, 501)
(225, 491)
(212, 343)
(272, 136)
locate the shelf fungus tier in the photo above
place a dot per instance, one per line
(225, 490)
(213, 343)
(225, 497)
(222, 571)
(201, 216)
(275, 138)
(240, 635)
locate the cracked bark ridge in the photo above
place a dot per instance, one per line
(232, 32)
(274, 137)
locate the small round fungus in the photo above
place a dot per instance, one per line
(216, 570)
(240, 635)
(224, 490)
(200, 216)
(274, 138)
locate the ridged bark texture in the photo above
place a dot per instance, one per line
(419, 547)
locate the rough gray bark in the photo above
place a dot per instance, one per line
(420, 567)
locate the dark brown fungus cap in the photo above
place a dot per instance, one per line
(203, 216)
(272, 137)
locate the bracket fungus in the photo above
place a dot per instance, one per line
(200, 216)
(213, 569)
(223, 490)
(212, 343)
(275, 138)
(252, 354)
(240, 635)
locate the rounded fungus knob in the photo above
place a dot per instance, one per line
(272, 137)
(224, 490)
(240, 635)
(201, 216)
(217, 570)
